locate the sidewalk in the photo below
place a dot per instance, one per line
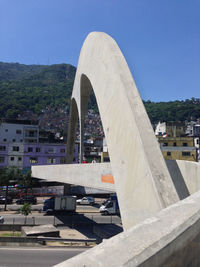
(8, 212)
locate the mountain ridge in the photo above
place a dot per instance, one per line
(35, 87)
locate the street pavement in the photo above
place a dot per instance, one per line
(84, 214)
(84, 217)
(38, 207)
(32, 257)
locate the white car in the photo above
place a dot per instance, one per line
(1, 219)
(85, 201)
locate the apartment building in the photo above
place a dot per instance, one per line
(181, 148)
(20, 146)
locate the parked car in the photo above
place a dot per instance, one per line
(27, 199)
(85, 201)
(3, 200)
(1, 219)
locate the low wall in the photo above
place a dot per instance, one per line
(20, 241)
(10, 227)
(170, 238)
(190, 172)
(89, 175)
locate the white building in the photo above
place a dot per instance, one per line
(15, 154)
(160, 128)
(19, 132)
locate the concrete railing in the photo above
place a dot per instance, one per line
(170, 238)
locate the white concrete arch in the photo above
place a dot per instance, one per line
(73, 120)
(142, 181)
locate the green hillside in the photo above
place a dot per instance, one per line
(33, 87)
(173, 111)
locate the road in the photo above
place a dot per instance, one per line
(32, 257)
(38, 207)
(84, 214)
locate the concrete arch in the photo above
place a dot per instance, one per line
(72, 125)
(142, 181)
(85, 91)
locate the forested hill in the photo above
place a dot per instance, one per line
(34, 87)
(173, 111)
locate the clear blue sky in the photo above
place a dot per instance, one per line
(159, 39)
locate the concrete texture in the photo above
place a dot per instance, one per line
(136, 160)
(89, 175)
(41, 230)
(137, 164)
(77, 234)
(185, 175)
(187, 171)
(141, 178)
(170, 238)
(178, 179)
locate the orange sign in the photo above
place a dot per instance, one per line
(107, 178)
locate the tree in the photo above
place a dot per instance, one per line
(25, 210)
(7, 176)
(26, 181)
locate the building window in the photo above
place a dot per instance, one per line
(37, 149)
(185, 144)
(31, 133)
(12, 158)
(30, 149)
(174, 144)
(168, 153)
(51, 160)
(4, 139)
(2, 159)
(18, 131)
(19, 158)
(33, 160)
(165, 144)
(62, 150)
(62, 160)
(186, 154)
(21, 140)
(2, 148)
(15, 148)
(51, 150)
(30, 140)
(6, 130)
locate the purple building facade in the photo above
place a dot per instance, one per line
(20, 146)
(25, 155)
(43, 154)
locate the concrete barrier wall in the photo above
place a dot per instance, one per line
(89, 175)
(185, 175)
(170, 238)
(15, 241)
(191, 173)
(10, 227)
